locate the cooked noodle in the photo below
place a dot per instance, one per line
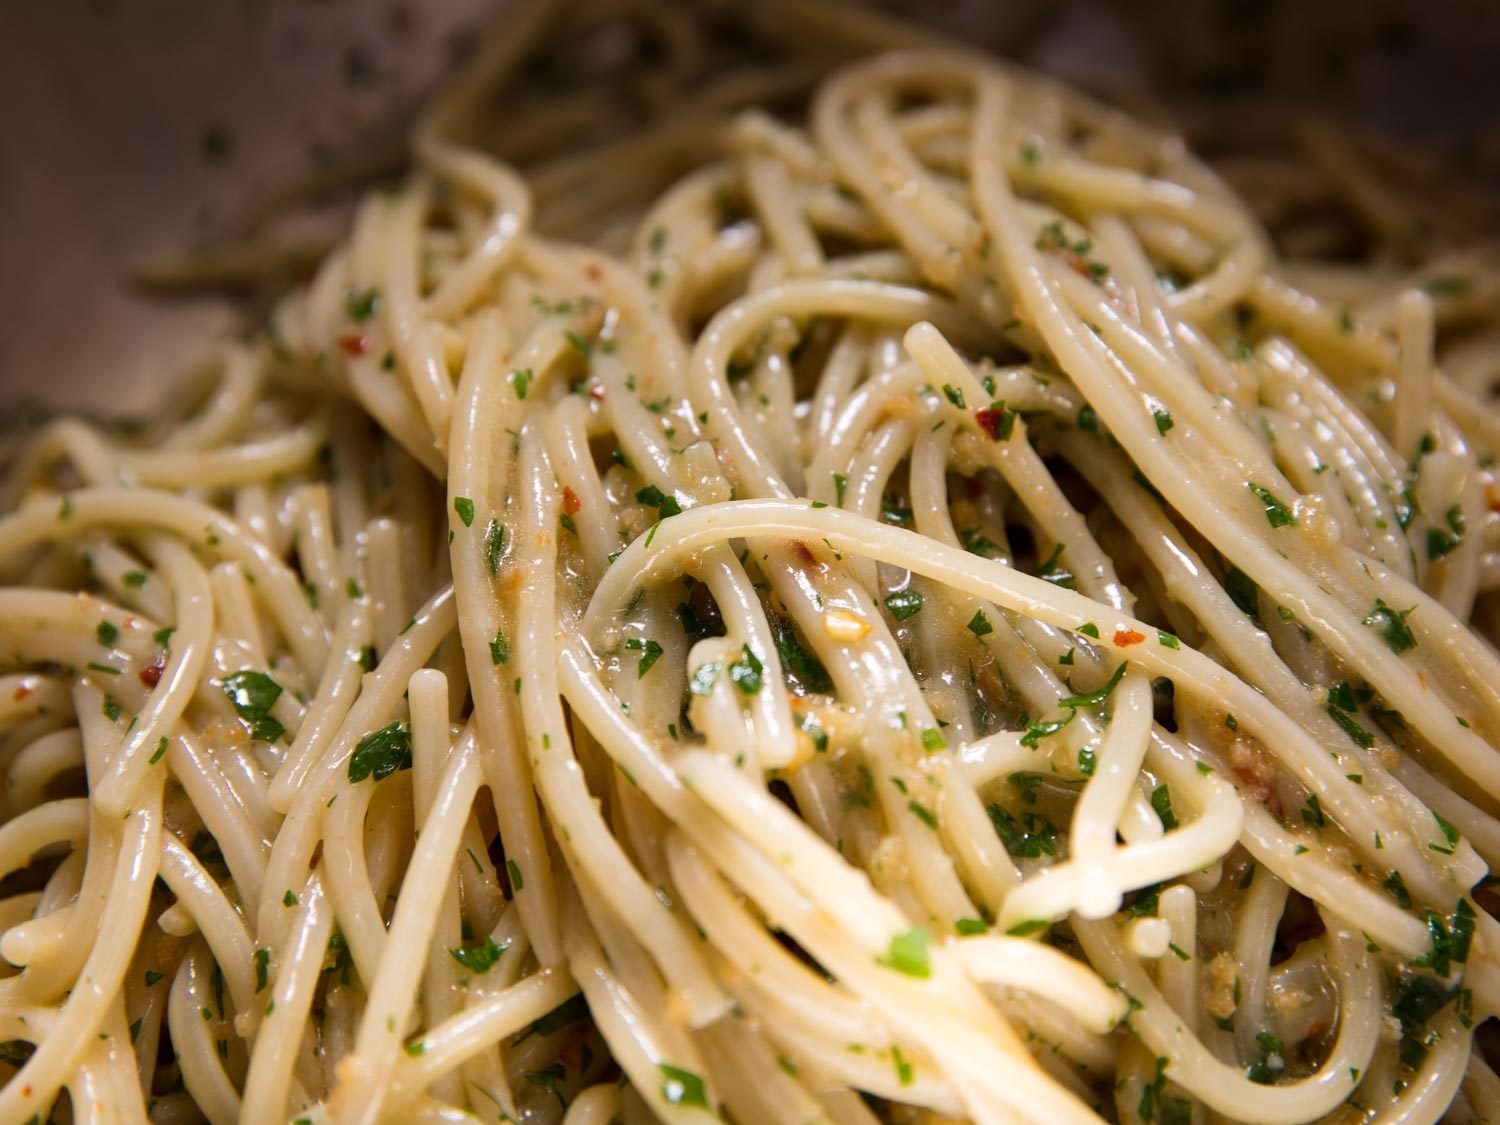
(927, 616)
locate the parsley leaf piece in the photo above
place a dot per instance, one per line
(480, 958)
(381, 753)
(908, 953)
(1277, 513)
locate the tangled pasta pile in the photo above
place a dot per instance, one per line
(928, 617)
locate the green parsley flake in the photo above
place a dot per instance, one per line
(904, 604)
(703, 679)
(682, 1087)
(252, 695)
(746, 672)
(1392, 625)
(494, 544)
(653, 497)
(361, 303)
(381, 753)
(650, 652)
(1161, 801)
(908, 953)
(1277, 513)
(481, 958)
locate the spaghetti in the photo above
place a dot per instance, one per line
(927, 617)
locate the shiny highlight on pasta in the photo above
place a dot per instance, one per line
(928, 617)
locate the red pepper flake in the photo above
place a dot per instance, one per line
(571, 503)
(21, 693)
(353, 344)
(151, 676)
(996, 421)
(596, 392)
(1124, 638)
(804, 552)
(593, 272)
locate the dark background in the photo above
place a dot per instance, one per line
(128, 127)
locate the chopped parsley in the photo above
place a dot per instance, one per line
(1029, 837)
(253, 694)
(494, 544)
(1054, 572)
(1395, 886)
(1392, 625)
(682, 1087)
(1312, 815)
(904, 604)
(565, 1014)
(922, 813)
(1094, 698)
(650, 653)
(1450, 944)
(653, 497)
(480, 958)
(703, 679)
(1156, 1105)
(361, 303)
(381, 753)
(997, 421)
(1352, 728)
(1161, 801)
(803, 671)
(1277, 513)
(747, 672)
(908, 953)
(499, 648)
